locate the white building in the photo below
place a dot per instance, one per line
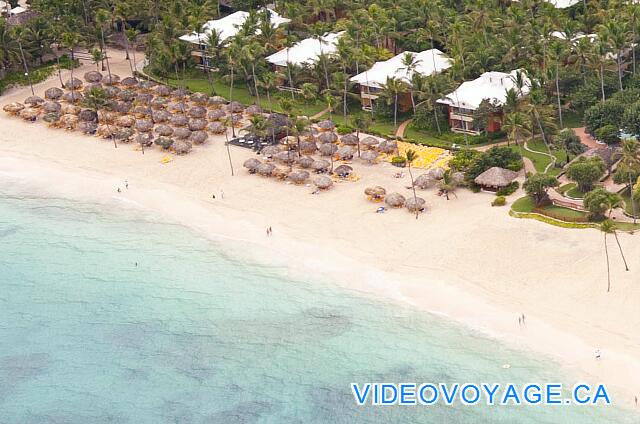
(492, 86)
(563, 4)
(307, 51)
(371, 81)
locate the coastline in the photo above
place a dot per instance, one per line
(483, 268)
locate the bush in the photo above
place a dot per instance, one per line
(510, 189)
(424, 119)
(499, 201)
(344, 129)
(398, 160)
(608, 134)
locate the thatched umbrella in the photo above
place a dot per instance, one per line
(143, 99)
(199, 98)
(73, 97)
(326, 125)
(124, 134)
(69, 121)
(53, 93)
(142, 112)
(285, 157)
(327, 137)
(182, 147)
(148, 85)
(349, 140)
(179, 93)
(199, 137)
(395, 200)
(13, 108)
(251, 164)
(70, 109)
(424, 181)
(253, 110)
(323, 182)
(236, 119)
(265, 169)
(235, 107)
(387, 146)
(181, 133)
(369, 142)
(112, 92)
(436, 173)
(105, 116)
(122, 107)
(216, 115)
(343, 171)
(197, 112)
(49, 107)
(197, 124)
(51, 117)
(299, 177)
(162, 90)
(320, 165)
(105, 131)
(129, 82)
(159, 103)
(495, 177)
(305, 162)
(126, 121)
(34, 101)
(375, 192)
(93, 86)
(144, 125)
(179, 107)
(74, 84)
(216, 128)
(145, 139)
(93, 76)
(88, 115)
(345, 152)
(164, 130)
(179, 120)
(270, 151)
(164, 142)
(112, 79)
(369, 156)
(308, 147)
(216, 101)
(415, 204)
(159, 116)
(29, 114)
(328, 149)
(88, 127)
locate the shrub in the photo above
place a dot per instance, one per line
(585, 172)
(499, 201)
(398, 160)
(510, 189)
(344, 129)
(608, 134)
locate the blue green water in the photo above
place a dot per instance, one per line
(194, 335)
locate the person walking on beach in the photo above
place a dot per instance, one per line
(597, 353)
(222, 194)
(119, 191)
(213, 196)
(523, 319)
(270, 231)
(520, 321)
(126, 184)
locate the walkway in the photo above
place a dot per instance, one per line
(586, 139)
(403, 126)
(553, 158)
(320, 114)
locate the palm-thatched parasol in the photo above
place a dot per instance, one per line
(197, 112)
(327, 137)
(349, 140)
(148, 86)
(345, 152)
(51, 117)
(343, 171)
(145, 139)
(123, 107)
(159, 116)
(162, 90)
(308, 147)
(216, 128)
(144, 125)
(375, 192)
(181, 133)
(270, 151)
(436, 173)
(69, 121)
(235, 107)
(88, 127)
(251, 164)
(142, 112)
(369, 142)
(424, 181)
(395, 200)
(216, 101)
(70, 109)
(179, 120)
(143, 99)
(88, 115)
(179, 93)
(369, 156)
(164, 142)
(124, 134)
(129, 82)
(93, 76)
(73, 97)
(112, 92)
(199, 98)
(328, 149)
(253, 110)
(178, 107)
(49, 107)
(326, 125)
(387, 146)
(265, 169)
(53, 93)
(93, 86)
(29, 114)
(285, 157)
(199, 137)
(159, 103)
(164, 130)
(495, 177)
(197, 124)
(322, 182)
(105, 116)
(415, 204)
(182, 147)
(34, 101)
(126, 121)
(216, 115)
(305, 162)
(320, 165)
(299, 177)
(74, 84)
(13, 108)
(112, 79)
(236, 119)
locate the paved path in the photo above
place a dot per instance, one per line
(553, 158)
(402, 128)
(586, 139)
(320, 114)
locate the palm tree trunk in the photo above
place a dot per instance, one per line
(602, 81)
(233, 129)
(606, 252)
(255, 81)
(395, 113)
(269, 100)
(59, 71)
(226, 134)
(633, 202)
(26, 68)
(619, 69)
(615, 234)
(344, 97)
(358, 138)
(558, 94)
(413, 187)
(106, 54)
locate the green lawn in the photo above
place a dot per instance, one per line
(575, 192)
(540, 161)
(525, 205)
(628, 205)
(566, 187)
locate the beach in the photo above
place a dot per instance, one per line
(462, 258)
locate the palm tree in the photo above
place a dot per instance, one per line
(71, 40)
(410, 156)
(556, 50)
(516, 125)
(360, 122)
(226, 135)
(409, 64)
(448, 183)
(393, 88)
(251, 52)
(615, 34)
(97, 57)
(609, 227)
(132, 39)
(20, 33)
(268, 81)
(103, 17)
(630, 161)
(96, 99)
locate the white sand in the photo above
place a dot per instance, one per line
(463, 258)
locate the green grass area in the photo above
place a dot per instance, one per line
(526, 205)
(37, 74)
(539, 160)
(566, 187)
(628, 205)
(572, 119)
(575, 193)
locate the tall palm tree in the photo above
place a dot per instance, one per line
(96, 99)
(70, 40)
(20, 35)
(226, 135)
(392, 89)
(268, 81)
(607, 227)
(251, 52)
(630, 161)
(360, 122)
(103, 17)
(410, 156)
(556, 50)
(516, 125)
(615, 33)
(410, 63)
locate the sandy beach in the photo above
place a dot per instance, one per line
(462, 258)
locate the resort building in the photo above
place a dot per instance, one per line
(226, 28)
(372, 81)
(563, 4)
(491, 86)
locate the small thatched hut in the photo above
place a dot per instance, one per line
(494, 178)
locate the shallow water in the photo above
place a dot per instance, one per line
(191, 334)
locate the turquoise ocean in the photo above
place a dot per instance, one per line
(194, 334)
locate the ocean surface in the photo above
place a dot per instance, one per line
(110, 315)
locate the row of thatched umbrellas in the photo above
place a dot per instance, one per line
(302, 176)
(141, 108)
